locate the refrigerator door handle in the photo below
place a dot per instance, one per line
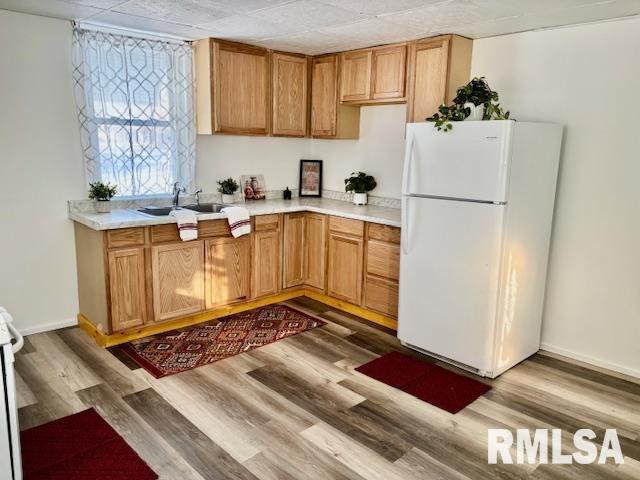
(408, 161)
(404, 230)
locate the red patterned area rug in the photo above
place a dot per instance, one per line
(80, 447)
(178, 351)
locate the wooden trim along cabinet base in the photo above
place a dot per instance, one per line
(106, 340)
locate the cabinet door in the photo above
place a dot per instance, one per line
(427, 78)
(178, 279)
(388, 76)
(355, 77)
(266, 263)
(293, 250)
(345, 267)
(127, 288)
(381, 295)
(315, 253)
(324, 95)
(290, 81)
(227, 278)
(241, 89)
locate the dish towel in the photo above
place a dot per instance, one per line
(239, 222)
(187, 224)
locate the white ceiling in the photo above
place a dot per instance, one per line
(320, 26)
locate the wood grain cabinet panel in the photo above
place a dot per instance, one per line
(125, 237)
(345, 267)
(293, 250)
(389, 73)
(127, 288)
(383, 259)
(227, 278)
(330, 119)
(381, 295)
(355, 77)
(266, 263)
(178, 279)
(290, 79)
(315, 251)
(438, 66)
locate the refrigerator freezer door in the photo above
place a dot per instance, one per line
(471, 161)
(449, 276)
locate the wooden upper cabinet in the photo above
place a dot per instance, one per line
(355, 76)
(227, 278)
(374, 75)
(330, 119)
(293, 250)
(437, 68)
(290, 87)
(232, 88)
(127, 288)
(178, 279)
(388, 73)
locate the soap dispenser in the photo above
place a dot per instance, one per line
(286, 194)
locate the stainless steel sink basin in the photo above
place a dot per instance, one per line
(156, 211)
(206, 207)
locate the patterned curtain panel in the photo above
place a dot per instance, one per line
(135, 103)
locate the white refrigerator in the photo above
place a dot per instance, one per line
(477, 209)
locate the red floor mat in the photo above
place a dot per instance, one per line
(430, 383)
(80, 447)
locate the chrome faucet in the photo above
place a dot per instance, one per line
(197, 194)
(176, 193)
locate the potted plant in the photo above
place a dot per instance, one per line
(227, 188)
(102, 193)
(359, 183)
(474, 101)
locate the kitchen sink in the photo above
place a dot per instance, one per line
(156, 211)
(206, 207)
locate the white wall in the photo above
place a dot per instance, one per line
(40, 169)
(586, 78)
(379, 151)
(222, 156)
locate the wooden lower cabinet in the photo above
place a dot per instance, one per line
(345, 267)
(293, 250)
(178, 279)
(266, 263)
(227, 278)
(381, 295)
(315, 250)
(127, 289)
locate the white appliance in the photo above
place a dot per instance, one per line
(477, 208)
(10, 462)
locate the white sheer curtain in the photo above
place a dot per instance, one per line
(135, 105)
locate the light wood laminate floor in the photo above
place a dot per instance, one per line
(296, 409)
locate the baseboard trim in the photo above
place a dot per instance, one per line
(590, 360)
(47, 327)
(378, 318)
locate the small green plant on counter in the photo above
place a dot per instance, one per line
(478, 92)
(228, 186)
(359, 182)
(102, 191)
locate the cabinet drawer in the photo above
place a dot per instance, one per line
(346, 225)
(385, 233)
(266, 222)
(383, 259)
(381, 295)
(214, 228)
(125, 237)
(165, 233)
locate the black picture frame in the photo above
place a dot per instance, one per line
(303, 192)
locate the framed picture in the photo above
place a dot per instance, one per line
(310, 178)
(253, 187)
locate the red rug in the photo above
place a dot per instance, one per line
(80, 447)
(430, 383)
(178, 351)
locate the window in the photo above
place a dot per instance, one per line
(135, 105)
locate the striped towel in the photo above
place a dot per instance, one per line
(187, 224)
(239, 222)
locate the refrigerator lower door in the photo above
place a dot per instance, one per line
(449, 277)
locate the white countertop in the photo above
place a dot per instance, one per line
(132, 218)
